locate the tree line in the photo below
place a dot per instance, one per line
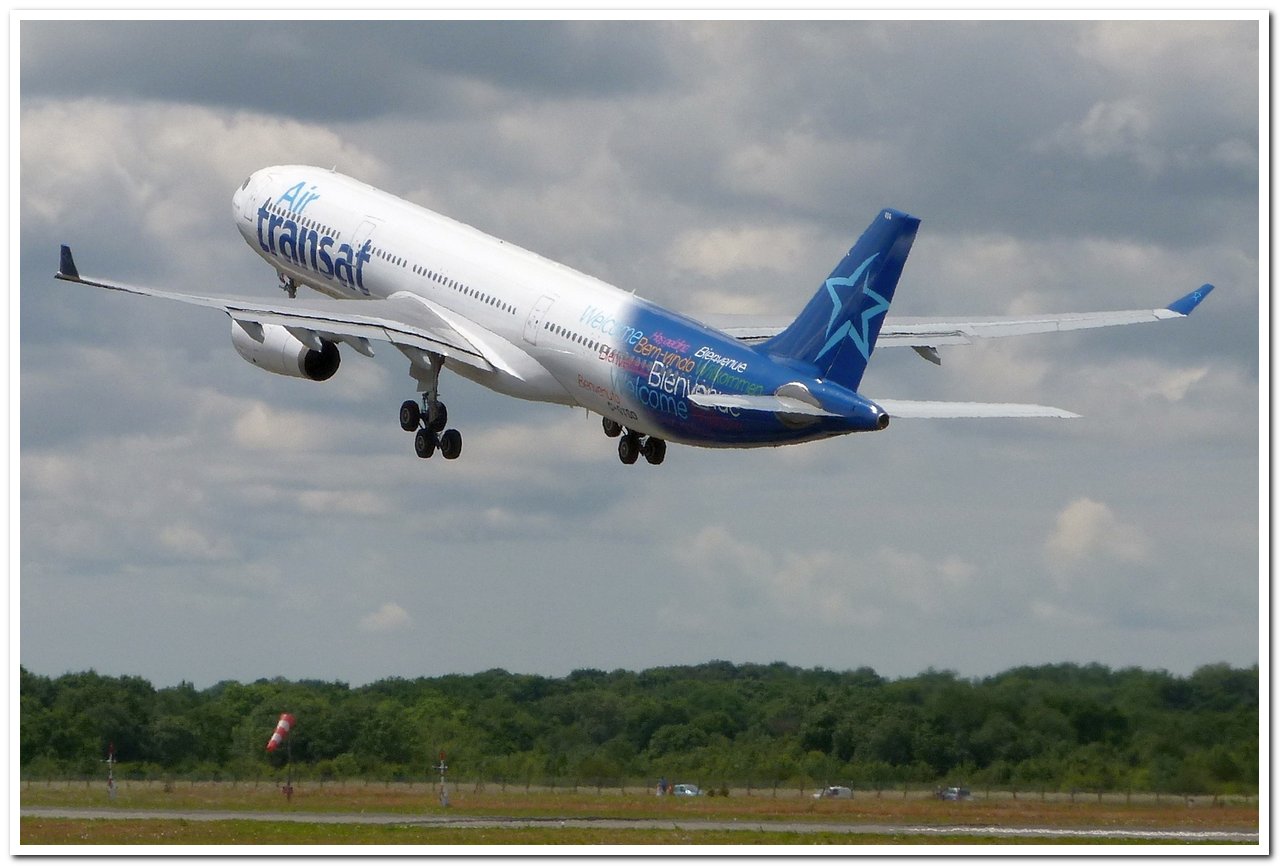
(1051, 727)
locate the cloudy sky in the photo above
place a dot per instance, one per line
(185, 516)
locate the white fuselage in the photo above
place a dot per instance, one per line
(564, 337)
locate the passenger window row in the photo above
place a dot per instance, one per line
(561, 331)
(462, 288)
(381, 253)
(305, 222)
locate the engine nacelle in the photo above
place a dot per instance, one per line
(273, 348)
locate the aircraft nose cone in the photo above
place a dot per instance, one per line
(240, 199)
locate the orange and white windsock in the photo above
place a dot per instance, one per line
(282, 731)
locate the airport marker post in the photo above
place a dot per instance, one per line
(111, 776)
(441, 767)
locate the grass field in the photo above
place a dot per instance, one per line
(756, 811)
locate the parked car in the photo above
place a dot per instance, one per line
(953, 794)
(834, 792)
(686, 791)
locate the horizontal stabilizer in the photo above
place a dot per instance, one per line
(946, 409)
(758, 403)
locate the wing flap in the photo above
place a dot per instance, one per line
(399, 320)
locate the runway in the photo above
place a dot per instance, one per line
(1155, 835)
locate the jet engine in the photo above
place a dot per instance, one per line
(275, 348)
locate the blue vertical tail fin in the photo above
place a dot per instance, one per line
(836, 331)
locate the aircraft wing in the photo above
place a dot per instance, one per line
(408, 322)
(924, 335)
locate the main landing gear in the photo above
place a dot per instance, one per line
(427, 422)
(631, 445)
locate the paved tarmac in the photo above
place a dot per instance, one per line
(1155, 835)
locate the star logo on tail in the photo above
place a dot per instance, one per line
(861, 334)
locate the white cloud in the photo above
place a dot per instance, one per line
(719, 252)
(1087, 529)
(1120, 128)
(1173, 384)
(158, 159)
(364, 503)
(389, 617)
(262, 427)
(188, 542)
(734, 577)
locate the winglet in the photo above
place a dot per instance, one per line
(1184, 305)
(67, 266)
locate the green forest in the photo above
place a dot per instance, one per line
(1054, 727)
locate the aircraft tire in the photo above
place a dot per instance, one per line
(654, 450)
(424, 443)
(628, 448)
(438, 418)
(612, 428)
(410, 416)
(450, 444)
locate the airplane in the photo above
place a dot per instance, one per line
(448, 296)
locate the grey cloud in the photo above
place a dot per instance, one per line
(648, 155)
(340, 71)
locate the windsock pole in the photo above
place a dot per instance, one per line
(281, 735)
(288, 770)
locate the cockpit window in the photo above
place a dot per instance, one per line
(245, 185)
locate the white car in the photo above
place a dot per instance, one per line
(834, 792)
(686, 791)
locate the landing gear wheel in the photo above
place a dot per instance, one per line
(612, 428)
(654, 450)
(450, 444)
(629, 448)
(410, 416)
(438, 417)
(424, 443)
